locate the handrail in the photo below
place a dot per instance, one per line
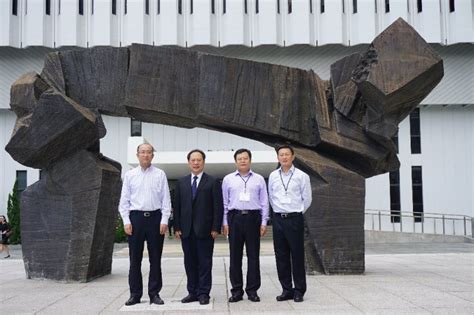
(400, 221)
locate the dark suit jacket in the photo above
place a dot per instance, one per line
(205, 213)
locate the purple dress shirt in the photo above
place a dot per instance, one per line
(234, 184)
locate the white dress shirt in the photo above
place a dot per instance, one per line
(145, 190)
(289, 192)
(198, 180)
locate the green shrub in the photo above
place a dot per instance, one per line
(13, 212)
(120, 236)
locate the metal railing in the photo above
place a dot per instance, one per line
(419, 222)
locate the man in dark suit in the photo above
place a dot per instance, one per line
(197, 222)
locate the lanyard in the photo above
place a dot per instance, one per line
(245, 181)
(288, 183)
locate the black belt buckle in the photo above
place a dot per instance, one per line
(243, 212)
(146, 214)
(284, 215)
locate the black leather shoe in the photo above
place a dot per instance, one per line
(254, 298)
(156, 300)
(132, 301)
(284, 297)
(189, 298)
(203, 300)
(298, 298)
(235, 298)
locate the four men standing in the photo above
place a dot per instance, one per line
(201, 208)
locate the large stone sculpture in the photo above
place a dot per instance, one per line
(341, 128)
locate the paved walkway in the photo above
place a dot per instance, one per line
(427, 283)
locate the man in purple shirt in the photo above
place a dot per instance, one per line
(245, 221)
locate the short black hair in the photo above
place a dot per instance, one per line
(240, 151)
(198, 151)
(285, 146)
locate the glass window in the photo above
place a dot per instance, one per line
(417, 192)
(135, 128)
(14, 7)
(21, 178)
(395, 204)
(415, 135)
(451, 6)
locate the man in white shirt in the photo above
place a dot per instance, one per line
(145, 207)
(289, 191)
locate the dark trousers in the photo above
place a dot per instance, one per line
(198, 263)
(288, 243)
(145, 228)
(244, 229)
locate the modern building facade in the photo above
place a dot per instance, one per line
(436, 143)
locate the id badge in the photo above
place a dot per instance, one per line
(244, 196)
(285, 200)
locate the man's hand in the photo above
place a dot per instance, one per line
(163, 228)
(263, 230)
(226, 230)
(128, 229)
(177, 234)
(214, 234)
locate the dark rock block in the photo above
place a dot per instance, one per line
(53, 72)
(335, 221)
(96, 78)
(25, 93)
(394, 76)
(56, 128)
(68, 219)
(162, 85)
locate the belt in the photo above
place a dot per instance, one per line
(288, 215)
(146, 214)
(244, 212)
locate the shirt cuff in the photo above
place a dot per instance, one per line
(165, 219)
(126, 221)
(264, 222)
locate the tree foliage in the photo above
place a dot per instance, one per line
(120, 236)
(13, 212)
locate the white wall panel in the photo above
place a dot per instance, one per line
(263, 25)
(33, 24)
(100, 23)
(166, 23)
(459, 23)
(362, 24)
(232, 23)
(447, 139)
(423, 21)
(133, 22)
(15, 25)
(198, 24)
(5, 12)
(297, 25)
(66, 22)
(49, 20)
(330, 26)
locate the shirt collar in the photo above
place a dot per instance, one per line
(290, 171)
(198, 175)
(236, 173)
(148, 169)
